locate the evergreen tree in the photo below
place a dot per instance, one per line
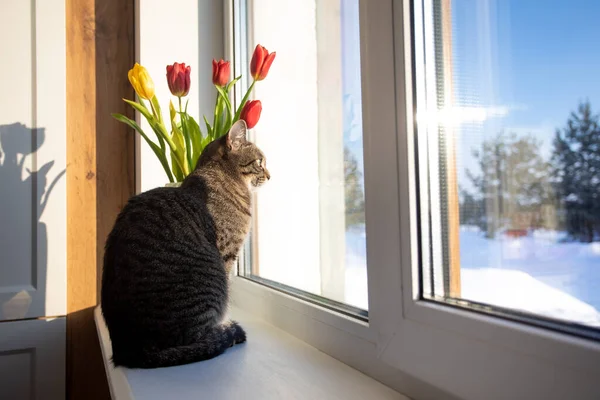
(355, 200)
(512, 178)
(576, 163)
(471, 210)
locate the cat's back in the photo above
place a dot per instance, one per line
(163, 230)
(164, 213)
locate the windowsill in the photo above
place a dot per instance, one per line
(270, 365)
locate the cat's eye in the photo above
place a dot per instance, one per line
(259, 162)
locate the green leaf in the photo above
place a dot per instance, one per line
(209, 130)
(205, 142)
(161, 133)
(193, 135)
(215, 129)
(225, 116)
(172, 112)
(232, 83)
(157, 108)
(140, 107)
(196, 137)
(157, 150)
(225, 97)
(179, 152)
(150, 118)
(239, 110)
(176, 170)
(188, 143)
(160, 130)
(220, 117)
(227, 122)
(181, 129)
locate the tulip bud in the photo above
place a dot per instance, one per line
(261, 62)
(141, 81)
(221, 72)
(251, 113)
(178, 78)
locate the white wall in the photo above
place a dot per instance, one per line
(32, 158)
(33, 249)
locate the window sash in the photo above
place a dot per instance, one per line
(448, 328)
(239, 20)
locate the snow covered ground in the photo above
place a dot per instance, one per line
(538, 273)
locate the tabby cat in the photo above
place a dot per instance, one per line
(169, 255)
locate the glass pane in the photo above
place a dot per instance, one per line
(309, 220)
(509, 151)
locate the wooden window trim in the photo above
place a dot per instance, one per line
(100, 169)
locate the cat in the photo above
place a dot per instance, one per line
(168, 259)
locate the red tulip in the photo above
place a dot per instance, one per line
(261, 62)
(251, 113)
(178, 77)
(221, 71)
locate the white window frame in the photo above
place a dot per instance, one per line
(451, 352)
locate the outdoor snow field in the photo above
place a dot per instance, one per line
(540, 273)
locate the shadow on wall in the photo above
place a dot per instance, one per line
(24, 193)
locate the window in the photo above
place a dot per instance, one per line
(308, 234)
(509, 158)
(438, 79)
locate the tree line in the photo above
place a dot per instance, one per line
(515, 186)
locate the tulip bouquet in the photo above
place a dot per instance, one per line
(186, 140)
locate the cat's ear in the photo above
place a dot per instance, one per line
(237, 135)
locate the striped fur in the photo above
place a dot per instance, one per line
(168, 258)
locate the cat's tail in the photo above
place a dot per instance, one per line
(212, 344)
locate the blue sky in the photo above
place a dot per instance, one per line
(530, 61)
(533, 60)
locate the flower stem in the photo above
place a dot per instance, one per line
(216, 117)
(154, 110)
(241, 106)
(186, 136)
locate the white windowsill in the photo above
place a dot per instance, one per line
(271, 365)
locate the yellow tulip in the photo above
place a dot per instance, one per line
(141, 81)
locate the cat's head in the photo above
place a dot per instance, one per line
(234, 152)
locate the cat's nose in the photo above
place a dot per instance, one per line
(267, 175)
